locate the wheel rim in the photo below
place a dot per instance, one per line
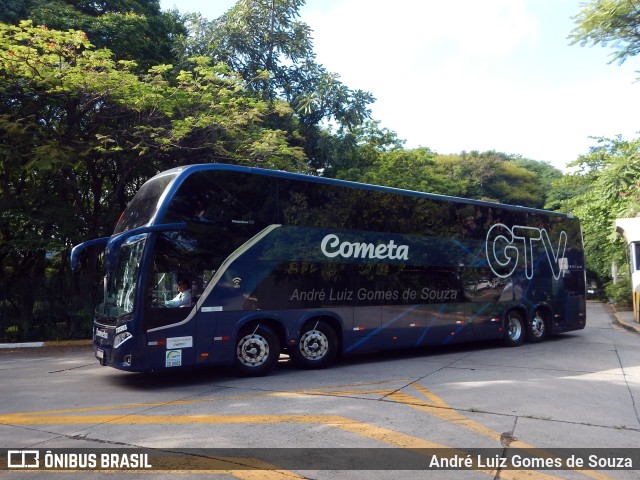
(253, 350)
(537, 326)
(314, 345)
(515, 328)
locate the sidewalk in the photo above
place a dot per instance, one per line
(624, 319)
(52, 343)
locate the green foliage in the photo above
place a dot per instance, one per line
(495, 176)
(604, 187)
(351, 153)
(606, 184)
(257, 36)
(611, 23)
(132, 30)
(408, 169)
(79, 107)
(109, 93)
(620, 292)
(80, 132)
(273, 52)
(491, 176)
(545, 172)
(14, 10)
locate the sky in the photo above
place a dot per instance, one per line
(469, 75)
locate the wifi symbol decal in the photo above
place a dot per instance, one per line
(236, 282)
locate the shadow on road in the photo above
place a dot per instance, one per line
(194, 376)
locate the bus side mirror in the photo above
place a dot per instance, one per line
(114, 243)
(75, 251)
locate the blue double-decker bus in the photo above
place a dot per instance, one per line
(219, 264)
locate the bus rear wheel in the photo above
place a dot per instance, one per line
(318, 345)
(515, 330)
(537, 330)
(257, 351)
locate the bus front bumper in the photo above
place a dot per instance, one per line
(122, 359)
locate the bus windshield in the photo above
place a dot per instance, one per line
(144, 204)
(120, 285)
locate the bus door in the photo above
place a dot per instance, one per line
(170, 332)
(573, 281)
(173, 288)
(364, 293)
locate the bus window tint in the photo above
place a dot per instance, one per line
(144, 205)
(221, 212)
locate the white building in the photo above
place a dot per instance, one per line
(629, 228)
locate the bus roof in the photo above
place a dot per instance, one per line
(187, 170)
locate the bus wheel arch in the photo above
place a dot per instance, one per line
(515, 328)
(257, 349)
(539, 324)
(318, 344)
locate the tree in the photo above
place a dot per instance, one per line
(264, 42)
(352, 153)
(545, 172)
(257, 36)
(614, 23)
(491, 176)
(608, 179)
(407, 169)
(131, 29)
(14, 10)
(605, 186)
(79, 133)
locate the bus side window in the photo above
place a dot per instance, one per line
(171, 291)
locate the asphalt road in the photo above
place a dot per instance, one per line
(575, 391)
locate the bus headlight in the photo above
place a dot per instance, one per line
(121, 338)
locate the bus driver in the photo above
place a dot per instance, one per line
(183, 298)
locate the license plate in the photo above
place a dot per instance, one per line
(99, 354)
(101, 333)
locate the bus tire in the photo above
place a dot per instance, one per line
(514, 329)
(537, 330)
(257, 351)
(317, 347)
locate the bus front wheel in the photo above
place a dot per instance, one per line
(318, 345)
(257, 351)
(515, 330)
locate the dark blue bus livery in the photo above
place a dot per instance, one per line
(274, 262)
